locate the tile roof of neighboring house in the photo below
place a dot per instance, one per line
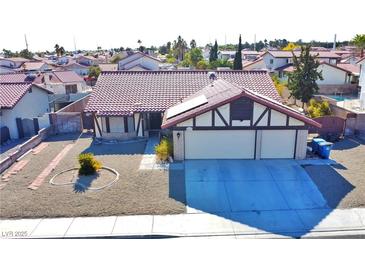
(289, 54)
(33, 65)
(15, 78)
(249, 63)
(222, 92)
(250, 52)
(11, 93)
(68, 76)
(72, 63)
(125, 61)
(354, 69)
(286, 68)
(16, 59)
(361, 60)
(108, 67)
(334, 66)
(125, 92)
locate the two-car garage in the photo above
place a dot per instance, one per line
(239, 144)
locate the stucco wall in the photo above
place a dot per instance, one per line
(332, 76)
(34, 104)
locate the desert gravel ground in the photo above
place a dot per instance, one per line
(136, 191)
(343, 184)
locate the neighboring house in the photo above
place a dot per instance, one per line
(108, 67)
(35, 67)
(278, 58)
(240, 115)
(75, 67)
(19, 101)
(258, 64)
(62, 82)
(226, 54)
(139, 61)
(250, 55)
(13, 62)
(339, 75)
(87, 60)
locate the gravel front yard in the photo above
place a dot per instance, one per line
(136, 191)
(343, 185)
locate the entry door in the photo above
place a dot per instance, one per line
(155, 120)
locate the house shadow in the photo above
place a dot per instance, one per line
(116, 148)
(347, 143)
(306, 202)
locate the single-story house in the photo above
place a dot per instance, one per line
(139, 61)
(62, 82)
(81, 70)
(34, 67)
(250, 55)
(230, 114)
(20, 101)
(13, 62)
(87, 60)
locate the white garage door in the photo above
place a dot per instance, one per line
(219, 144)
(277, 144)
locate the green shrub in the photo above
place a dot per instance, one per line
(318, 108)
(163, 150)
(88, 164)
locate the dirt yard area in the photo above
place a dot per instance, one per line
(343, 184)
(136, 191)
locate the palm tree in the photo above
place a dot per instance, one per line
(359, 41)
(57, 48)
(62, 51)
(180, 47)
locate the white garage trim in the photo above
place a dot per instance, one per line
(219, 144)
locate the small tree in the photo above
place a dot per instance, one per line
(302, 82)
(94, 72)
(318, 109)
(237, 64)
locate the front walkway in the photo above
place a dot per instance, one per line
(339, 223)
(149, 157)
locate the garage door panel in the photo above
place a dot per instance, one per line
(277, 144)
(219, 144)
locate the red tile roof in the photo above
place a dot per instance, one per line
(354, 69)
(223, 92)
(14, 78)
(68, 76)
(11, 93)
(124, 92)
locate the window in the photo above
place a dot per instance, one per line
(242, 109)
(71, 89)
(271, 61)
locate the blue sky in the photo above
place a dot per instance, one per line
(112, 23)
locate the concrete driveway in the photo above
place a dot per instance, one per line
(273, 195)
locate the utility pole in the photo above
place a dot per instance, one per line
(334, 42)
(75, 44)
(26, 42)
(254, 42)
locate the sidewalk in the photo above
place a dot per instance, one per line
(339, 223)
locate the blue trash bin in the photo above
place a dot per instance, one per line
(325, 149)
(315, 144)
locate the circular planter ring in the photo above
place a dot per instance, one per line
(112, 170)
